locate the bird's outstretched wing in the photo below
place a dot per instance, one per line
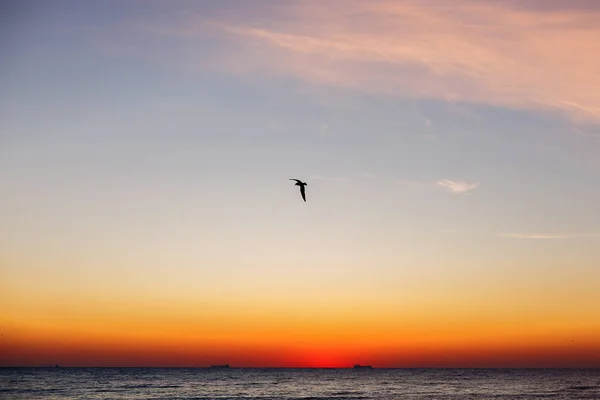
(297, 180)
(302, 187)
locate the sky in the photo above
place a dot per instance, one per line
(451, 151)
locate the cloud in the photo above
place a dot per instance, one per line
(450, 185)
(547, 236)
(533, 236)
(457, 186)
(525, 55)
(367, 175)
(330, 179)
(555, 5)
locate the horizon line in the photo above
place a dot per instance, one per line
(58, 366)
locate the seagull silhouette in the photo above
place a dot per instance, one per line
(302, 187)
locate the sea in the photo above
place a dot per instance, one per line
(305, 384)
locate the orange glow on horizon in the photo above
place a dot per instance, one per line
(37, 349)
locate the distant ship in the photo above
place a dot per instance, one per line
(219, 366)
(358, 366)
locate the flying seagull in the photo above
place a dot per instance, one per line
(302, 187)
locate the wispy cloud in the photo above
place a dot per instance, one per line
(367, 175)
(502, 53)
(457, 186)
(547, 236)
(330, 179)
(533, 236)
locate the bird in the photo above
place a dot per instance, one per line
(302, 187)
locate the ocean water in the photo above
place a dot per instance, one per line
(234, 383)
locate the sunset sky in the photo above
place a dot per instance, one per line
(451, 150)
